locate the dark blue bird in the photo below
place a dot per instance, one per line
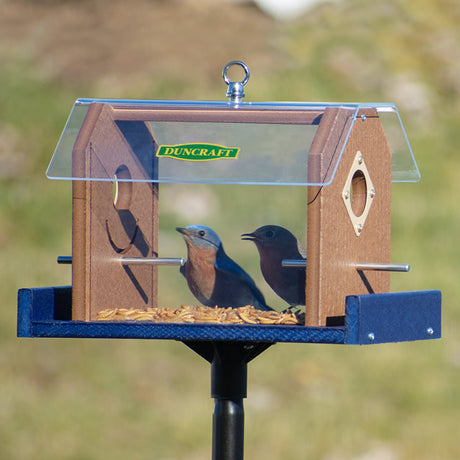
(213, 277)
(276, 243)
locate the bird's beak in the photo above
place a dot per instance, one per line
(249, 236)
(183, 230)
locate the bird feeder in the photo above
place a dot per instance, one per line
(119, 153)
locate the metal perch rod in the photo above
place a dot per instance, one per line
(135, 260)
(152, 261)
(67, 260)
(383, 267)
(359, 266)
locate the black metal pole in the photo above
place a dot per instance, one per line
(228, 388)
(229, 379)
(228, 430)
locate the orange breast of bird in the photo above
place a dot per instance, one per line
(200, 271)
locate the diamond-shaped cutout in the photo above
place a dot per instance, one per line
(358, 193)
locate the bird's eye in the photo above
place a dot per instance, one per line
(269, 234)
(201, 233)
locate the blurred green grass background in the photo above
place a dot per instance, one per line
(99, 399)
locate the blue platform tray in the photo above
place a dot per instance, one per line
(369, 319)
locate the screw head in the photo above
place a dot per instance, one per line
(346, 194)
(371, 336)
(430, 331)
(372, 193)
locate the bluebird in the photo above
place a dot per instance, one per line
(274, 244)
(212, 276)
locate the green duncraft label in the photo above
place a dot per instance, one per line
(197, 152)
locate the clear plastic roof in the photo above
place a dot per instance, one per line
(216, 142)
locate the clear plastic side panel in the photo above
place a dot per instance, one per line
(238, 153)
(404, 166)
(60, 166)
(216, 145)
(262, 143)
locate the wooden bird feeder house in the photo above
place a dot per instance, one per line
(119, 153)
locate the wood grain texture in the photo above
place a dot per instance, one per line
(210, 114)
(332, 245)
(102, 233)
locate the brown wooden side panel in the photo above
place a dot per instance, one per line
(107, 229)
(210, 114)
(330, 137)
(80, 244)
(81, 217)
(333, 248)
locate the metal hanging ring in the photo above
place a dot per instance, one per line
(240, 63)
